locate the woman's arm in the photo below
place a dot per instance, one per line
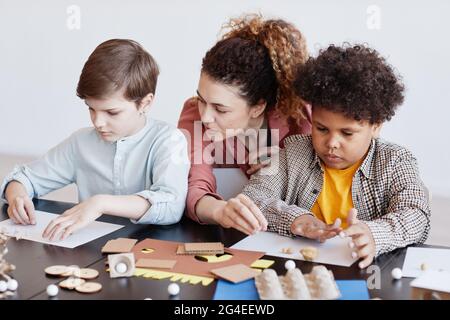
(202, 197)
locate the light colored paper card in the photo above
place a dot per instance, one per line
(203, 250)
(120, 245)
(433, 280)
(235, 273)
(434, 259)
(91, 232)
(156, 263)
(201, 247)
(334, 251)
(180, 249)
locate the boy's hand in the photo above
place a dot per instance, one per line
(310, 227)
(362, 240)
(73, 219)
(241, 213)
(21, 210)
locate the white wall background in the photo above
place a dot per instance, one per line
(41, 59)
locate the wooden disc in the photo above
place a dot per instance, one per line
(71, 283)
(88, 274)
(89, 287)
(57, 270)
(72, 271)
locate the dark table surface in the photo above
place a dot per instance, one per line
(31, 258)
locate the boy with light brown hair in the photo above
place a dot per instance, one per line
(126, 165)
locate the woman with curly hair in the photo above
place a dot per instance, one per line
(244, 108)
(343, 176)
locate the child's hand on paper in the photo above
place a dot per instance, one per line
(73, 219)
(21, 207)
(310, 227)
(362, 241)
(241, 213)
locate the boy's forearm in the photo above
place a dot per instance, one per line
(130, 206)
(399, 229)
(15, 189)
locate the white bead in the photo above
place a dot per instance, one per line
(13, 284)
(3, 286)
(289, 265)
(52, 290)
(173, 289)
(121, 267)
(396, 273)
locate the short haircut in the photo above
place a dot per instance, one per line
(118, 64)
(354, 80)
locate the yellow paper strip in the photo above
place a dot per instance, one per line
(184, 278)
(262, 264)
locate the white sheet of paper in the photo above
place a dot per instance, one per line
(433, 280)
(435, 259)
(334, 251)
(91, 232)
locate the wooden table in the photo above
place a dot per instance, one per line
(32, 258)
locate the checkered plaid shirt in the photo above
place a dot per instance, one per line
(386, 190)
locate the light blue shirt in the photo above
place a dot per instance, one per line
(153, 163)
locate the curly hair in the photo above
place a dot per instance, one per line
(261, 57)
(354, 80)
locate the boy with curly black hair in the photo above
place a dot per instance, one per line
(342, 176)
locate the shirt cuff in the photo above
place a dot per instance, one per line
(288, 215)
(380, 232)
(165, 208)
(17, 175)
(145, 218)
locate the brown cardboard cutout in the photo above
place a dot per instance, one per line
(236, 273)
(188, 264)
(155, 263)
(201, 248)
(120, 245)
(211, 247)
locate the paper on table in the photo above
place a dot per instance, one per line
(434, 259)
(91, 232)
(433, 280)
(334, 251)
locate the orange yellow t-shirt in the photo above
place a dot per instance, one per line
(335, 199)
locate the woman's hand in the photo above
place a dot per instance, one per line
(240, 213)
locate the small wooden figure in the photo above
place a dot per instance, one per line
(121, 265)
